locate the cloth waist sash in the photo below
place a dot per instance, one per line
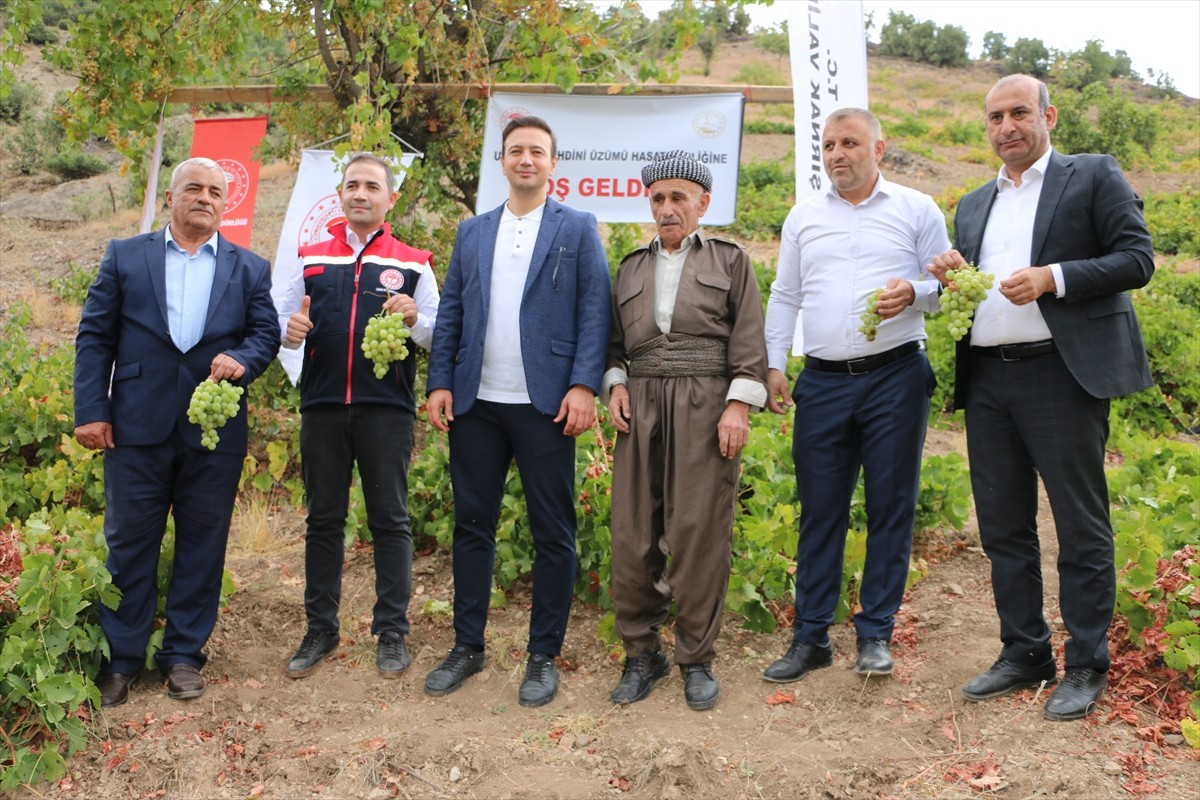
(678, 355)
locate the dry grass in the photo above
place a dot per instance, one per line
(253, 526)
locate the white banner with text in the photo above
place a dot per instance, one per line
(603, 143)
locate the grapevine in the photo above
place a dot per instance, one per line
(968, 287)
(383, 341)
(212, 405)
(870, 319)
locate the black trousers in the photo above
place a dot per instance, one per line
(1024, 419)
(380, 440)
(483, 443)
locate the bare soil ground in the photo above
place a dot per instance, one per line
(344, 732)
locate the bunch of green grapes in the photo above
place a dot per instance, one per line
(968, 288)
(213, 404)
(870, 320)
(383, 341)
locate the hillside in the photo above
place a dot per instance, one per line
(343, 732)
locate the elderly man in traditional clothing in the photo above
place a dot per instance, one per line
(687, 363)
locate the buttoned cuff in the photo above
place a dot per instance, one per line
(1060, 283)
(611, 378)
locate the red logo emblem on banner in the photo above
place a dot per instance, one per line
(323, 214)
(392, 279)
(238, 178)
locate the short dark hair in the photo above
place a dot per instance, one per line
(529, 122)
(374, 159)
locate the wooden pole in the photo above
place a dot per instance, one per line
(194, 95)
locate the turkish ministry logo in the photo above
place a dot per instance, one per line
(238, 179)
(392, 279)
(314, 227)
(709, 124)
(511, 113)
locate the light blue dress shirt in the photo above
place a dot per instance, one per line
(189, 285)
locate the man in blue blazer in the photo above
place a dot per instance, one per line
(1050, 346)
(168, 310)
(517, 359)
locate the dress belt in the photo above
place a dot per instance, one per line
(1016, 352)
(858, 366)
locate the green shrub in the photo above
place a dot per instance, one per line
(910, 127)
(18, 103)
(958, 131)
(756, 73)
(1124, 129)
(766, 193)
(1028, 57)
(1174, 222)
(770, 126)
(74, 164)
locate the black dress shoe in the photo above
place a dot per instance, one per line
(641, 673)
(462, 663)
(798, 660)
(391, 655)
(541, 681)
(874, 657)
(700, 687)
(1006, 677)
(1076, 696)
(114, 688)
(184, 682)
(312, 650)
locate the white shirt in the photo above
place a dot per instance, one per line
(833, 255)
(668, 271)
(1007, 247)
(502, 379)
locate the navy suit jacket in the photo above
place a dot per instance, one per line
(565, 309)
(129, 373)
(1090, 221)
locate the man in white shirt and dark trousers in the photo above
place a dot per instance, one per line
(517, 358)
(859, 403)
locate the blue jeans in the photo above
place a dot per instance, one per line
(380, 439)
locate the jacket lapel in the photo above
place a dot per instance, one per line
(485, 253)
(552, 217)
(1058, 172)
(969, 225)
(156, 264)
(222, 274)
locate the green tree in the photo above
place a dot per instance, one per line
(372, 54)
(774, 40)
(949, 47)
(994, 46)
(1028, 57)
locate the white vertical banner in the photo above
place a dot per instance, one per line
(828, 47)
(313, 208)
(603, 143)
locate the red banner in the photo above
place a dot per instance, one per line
(231, 143)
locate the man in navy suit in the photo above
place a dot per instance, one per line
(168, 310)
(517, 358)
(1050, 346)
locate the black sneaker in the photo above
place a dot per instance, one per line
(460, 664)
(391, 656)
(639, 676)
(315, 646)
(541, 681)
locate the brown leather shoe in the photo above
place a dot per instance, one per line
(114, 688)
(184, 682)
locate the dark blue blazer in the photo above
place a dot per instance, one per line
(124, 342)
(565, 309)
(1090, 221)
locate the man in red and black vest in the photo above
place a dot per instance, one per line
(349, 416)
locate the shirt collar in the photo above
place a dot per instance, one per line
(353, 240)
(532, 216)
(1037, 168)
(693, 238)
(882, 187)
(211, 244)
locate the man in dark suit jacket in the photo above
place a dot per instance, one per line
(1049, 348)
(517, 358)
(168, 310)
